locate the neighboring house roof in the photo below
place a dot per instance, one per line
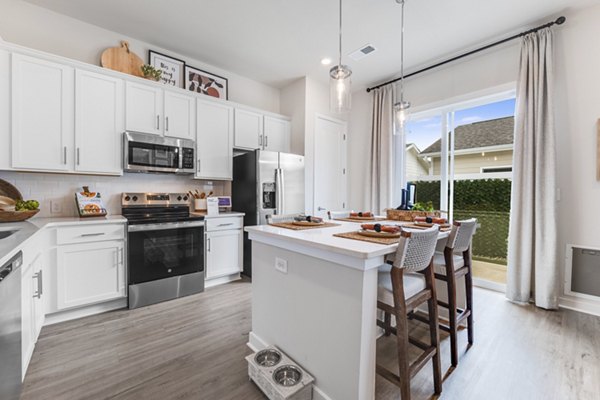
(416, 152)
(494, 132)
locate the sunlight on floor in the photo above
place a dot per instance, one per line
(489, 272)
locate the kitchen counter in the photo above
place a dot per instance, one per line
(220, 215)
(27, 230)
(314, 296)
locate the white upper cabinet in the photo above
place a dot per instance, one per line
(277, 132)
(179, 115)
(248, 129)
(99, 123)
(214, 142)
(143, 108)
(42, 114)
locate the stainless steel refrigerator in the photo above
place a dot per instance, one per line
(266, 183)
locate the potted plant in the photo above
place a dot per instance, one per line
(150, 72)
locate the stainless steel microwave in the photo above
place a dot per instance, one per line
(152, 153)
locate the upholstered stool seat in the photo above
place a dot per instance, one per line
(439, 262)
(413, 284)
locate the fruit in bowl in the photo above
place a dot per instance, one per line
(26, 205)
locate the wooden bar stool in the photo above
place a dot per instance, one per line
(401, 289)
(449, 266)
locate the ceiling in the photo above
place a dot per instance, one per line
(277, 41)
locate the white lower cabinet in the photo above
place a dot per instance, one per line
(88, 273)
(224, 247)
(32, 304)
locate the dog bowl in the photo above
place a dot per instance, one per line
(287, 375)
(268, 358)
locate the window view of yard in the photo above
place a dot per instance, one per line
(479, 174)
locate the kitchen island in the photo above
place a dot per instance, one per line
(314, 295)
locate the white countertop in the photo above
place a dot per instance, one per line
(322, 239)
(27, 229)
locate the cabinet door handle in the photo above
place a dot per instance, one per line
(167, 124)
(208, 244)
(260, 140)
(92, 234)
(40, 289)
(158, 122)
(266, 141)
(78, 156)
(198, 166)
(65, 155)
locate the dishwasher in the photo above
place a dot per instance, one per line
(10, 328)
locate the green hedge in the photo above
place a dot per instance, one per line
(488, 200)
(476, 195)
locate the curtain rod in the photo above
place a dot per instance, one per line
(559, 21)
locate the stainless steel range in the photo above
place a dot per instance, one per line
(165, 247)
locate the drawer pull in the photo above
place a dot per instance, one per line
(92, 234)
(231, 223)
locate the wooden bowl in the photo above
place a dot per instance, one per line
(17, 216)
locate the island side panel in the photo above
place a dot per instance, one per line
(322, 315)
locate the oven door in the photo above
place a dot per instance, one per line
(159, 251)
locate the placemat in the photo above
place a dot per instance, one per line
(356, 236)
(289, 225)
(364, 221)
(414, 226)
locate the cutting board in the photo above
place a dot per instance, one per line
(122, 59)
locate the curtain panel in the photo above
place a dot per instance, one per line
(533, 266)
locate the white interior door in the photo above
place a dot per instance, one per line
(329, 165)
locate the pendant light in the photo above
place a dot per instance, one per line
(402, 106)
(340, 95)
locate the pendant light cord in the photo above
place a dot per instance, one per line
(340, 59)
(402, 53)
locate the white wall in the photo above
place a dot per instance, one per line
(41, 29)
(61, 188)
(303, 100)
(577, 61)
(293, 104)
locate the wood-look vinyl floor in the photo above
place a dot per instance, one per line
(194, 348)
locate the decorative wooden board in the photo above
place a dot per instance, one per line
(290, 225)
(122, 59)
(358, 236)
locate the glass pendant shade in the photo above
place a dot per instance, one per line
(401, 114)
(340, 89)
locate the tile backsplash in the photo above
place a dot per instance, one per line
(60, 189)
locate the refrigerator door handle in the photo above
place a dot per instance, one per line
(279, 191)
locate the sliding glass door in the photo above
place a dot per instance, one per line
(460, 158)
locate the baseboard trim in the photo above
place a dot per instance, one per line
(221, 280)
(586, 306)
(81, 312)
(256, 343)
(485, 284)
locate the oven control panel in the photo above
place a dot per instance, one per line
(154, 199)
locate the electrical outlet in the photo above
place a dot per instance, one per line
(281, 265)
(56, 207)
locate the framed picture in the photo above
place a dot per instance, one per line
(206, 83)
(172, 68)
